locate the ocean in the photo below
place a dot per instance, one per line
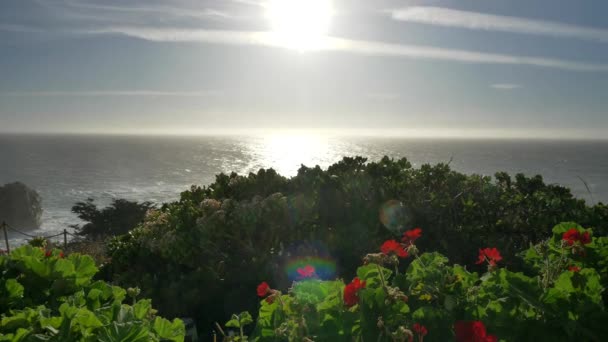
(65, 169)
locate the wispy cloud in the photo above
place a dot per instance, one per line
(203, 13)
(489, 22)
(383, 96)
(360, 47)
(151, 93)
(506, 86)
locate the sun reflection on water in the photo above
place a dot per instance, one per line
(286, 152)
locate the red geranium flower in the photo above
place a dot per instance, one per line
(420, 329)
(585, 238)
(574, 268)
(392, 246)
(263, 289)
(571, 236)
(411, 235)
(306, 272)
(48, 254)
(472, 331)
(61, 255)
(491, 254)
(351, 296)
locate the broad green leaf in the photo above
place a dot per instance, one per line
(173, 331)
(370, 274)
(14, 289)
(245, 318)
(84, 267)
(142, 308)
(233, 323)
(125, 332)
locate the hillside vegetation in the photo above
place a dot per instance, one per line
(203, 255)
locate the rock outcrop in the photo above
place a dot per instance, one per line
(20, 206)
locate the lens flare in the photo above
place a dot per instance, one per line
(324, 268)
(393, 215)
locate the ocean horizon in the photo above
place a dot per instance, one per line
(67, 168)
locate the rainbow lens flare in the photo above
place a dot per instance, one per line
(324, 268)
(393, 215)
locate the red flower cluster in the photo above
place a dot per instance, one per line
(472, 331)
(49, 254)
(306, 272)
(420, 330)
(573, 235)
(351, 296)
(492, 255)
(411, 235)
(263, 289)
(574, 268)
(393, 247)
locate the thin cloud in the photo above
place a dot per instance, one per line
(113, 93)
(489, 22)
(360, 47)
(164, 10)
(384, 96)
(506, 86)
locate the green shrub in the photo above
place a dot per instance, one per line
(49, 297)
(560, 300)
(116, 219)
(196, 256)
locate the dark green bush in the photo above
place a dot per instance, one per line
(202, 255)
(116, 219)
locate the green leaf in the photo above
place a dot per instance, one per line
(233, 323)
(14, 289)
(142, 308)
(370, 274)
(118, 293)
(84, 267)
(174, 331)
(125, 332)
(245, 318)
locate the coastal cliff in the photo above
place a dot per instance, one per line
(20, 206)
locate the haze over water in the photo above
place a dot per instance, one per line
(70, 168)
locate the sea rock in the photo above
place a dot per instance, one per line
(20, 206)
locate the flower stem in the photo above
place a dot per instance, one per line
(381, 277)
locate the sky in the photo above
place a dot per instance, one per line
(521, 68)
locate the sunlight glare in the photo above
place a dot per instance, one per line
(286, 152)
(299, 24)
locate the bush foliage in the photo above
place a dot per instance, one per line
(46, 296)
(116, 219)
(559, 299)
(201, 255)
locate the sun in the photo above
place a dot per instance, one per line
(299, 24)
